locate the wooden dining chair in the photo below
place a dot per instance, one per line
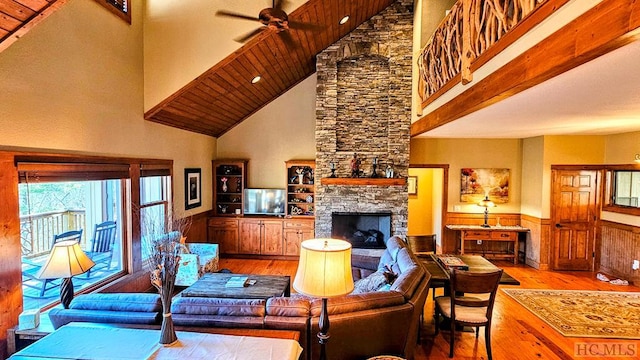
(465, 310)
(422, 245)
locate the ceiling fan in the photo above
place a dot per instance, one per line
(274, 19)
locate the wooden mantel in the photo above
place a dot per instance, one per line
(364, 181)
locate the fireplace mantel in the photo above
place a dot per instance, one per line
(364, 181)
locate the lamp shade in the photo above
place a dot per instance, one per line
(65, 260)
(324, 269)
(486, 202)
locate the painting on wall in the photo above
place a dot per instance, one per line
(192, 188)
(475, 184)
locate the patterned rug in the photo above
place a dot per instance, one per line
(576, 313)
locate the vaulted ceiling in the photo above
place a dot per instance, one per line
(224, 95)
(18, 16)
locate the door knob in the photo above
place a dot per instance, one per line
(558, 226)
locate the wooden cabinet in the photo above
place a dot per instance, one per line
(300, 188)
(229, 181)
(260, 236)
(224, 232)
(295, 232)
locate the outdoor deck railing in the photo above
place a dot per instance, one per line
(37, 230)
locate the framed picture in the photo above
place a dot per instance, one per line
(192, 188)
(412, 185)
(475, 184)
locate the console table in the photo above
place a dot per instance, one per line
(507, 234)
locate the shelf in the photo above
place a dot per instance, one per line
(364, 181)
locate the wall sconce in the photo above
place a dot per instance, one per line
(637, 158)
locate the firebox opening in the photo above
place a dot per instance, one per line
(362, 230)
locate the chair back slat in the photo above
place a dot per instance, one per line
(422, 243)
(68, 235)
(104, 237)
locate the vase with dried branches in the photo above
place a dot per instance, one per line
(164, 238)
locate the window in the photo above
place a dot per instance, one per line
(623, 191)
(155, 203)
(81, 199)
(122, 8)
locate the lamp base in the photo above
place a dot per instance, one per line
(485, 225)
(66, 292)
(323, 335)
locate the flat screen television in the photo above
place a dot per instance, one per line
(264, 201)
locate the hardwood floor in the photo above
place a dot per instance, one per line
(516, 333)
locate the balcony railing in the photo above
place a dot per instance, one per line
(37, 230)
(467, 38)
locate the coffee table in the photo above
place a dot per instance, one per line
(213, 285)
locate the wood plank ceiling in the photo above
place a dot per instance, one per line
(224, 96)
(18, 16)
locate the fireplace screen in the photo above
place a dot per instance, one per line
(362, 230)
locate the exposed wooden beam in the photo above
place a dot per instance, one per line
(606, 27)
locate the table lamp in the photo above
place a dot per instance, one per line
(486, 204)
(324, 271)
(65, 260)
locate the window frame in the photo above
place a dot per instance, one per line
(610, 190)
(124, 14)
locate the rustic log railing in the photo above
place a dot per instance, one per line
(470, 29)
(37, 230)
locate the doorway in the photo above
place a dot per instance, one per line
(575, 211)
(428, 204)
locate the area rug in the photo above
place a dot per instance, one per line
(576, 313)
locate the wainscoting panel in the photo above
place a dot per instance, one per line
(538, 241)
(620, 246)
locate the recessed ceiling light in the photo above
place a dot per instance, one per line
(255, 79)
(344, 19)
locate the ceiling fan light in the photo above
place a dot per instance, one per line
(344, 20)
(256, 79)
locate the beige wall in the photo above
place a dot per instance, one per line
(75, 84)
(283, 130)
(474, 153)
(532, 176)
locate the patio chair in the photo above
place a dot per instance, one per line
(31, 269)
(467, 310)
(104, 238)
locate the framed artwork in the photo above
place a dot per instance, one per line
(192, 188)
(412, 185)
(475, 184)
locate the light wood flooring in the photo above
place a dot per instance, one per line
(516, 333)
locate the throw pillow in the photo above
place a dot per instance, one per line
(370, 283)
(389, 275)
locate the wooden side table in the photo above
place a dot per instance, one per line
(509, 234)
(20, 338)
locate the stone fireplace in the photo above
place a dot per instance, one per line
(363, 106)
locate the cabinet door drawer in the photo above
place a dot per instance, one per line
(503, 235)
(477, 235)
(299, 224)
(221, 222)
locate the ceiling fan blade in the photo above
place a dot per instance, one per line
(236, 15)
(304, 26)
(249, 35)
(287, 39)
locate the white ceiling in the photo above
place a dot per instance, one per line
(600, 97)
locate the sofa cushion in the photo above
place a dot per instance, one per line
(140, 302)
(358, 302)
(410, 275)
(389, 257)
(59, 317)
(288, 306)
(218, 306)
